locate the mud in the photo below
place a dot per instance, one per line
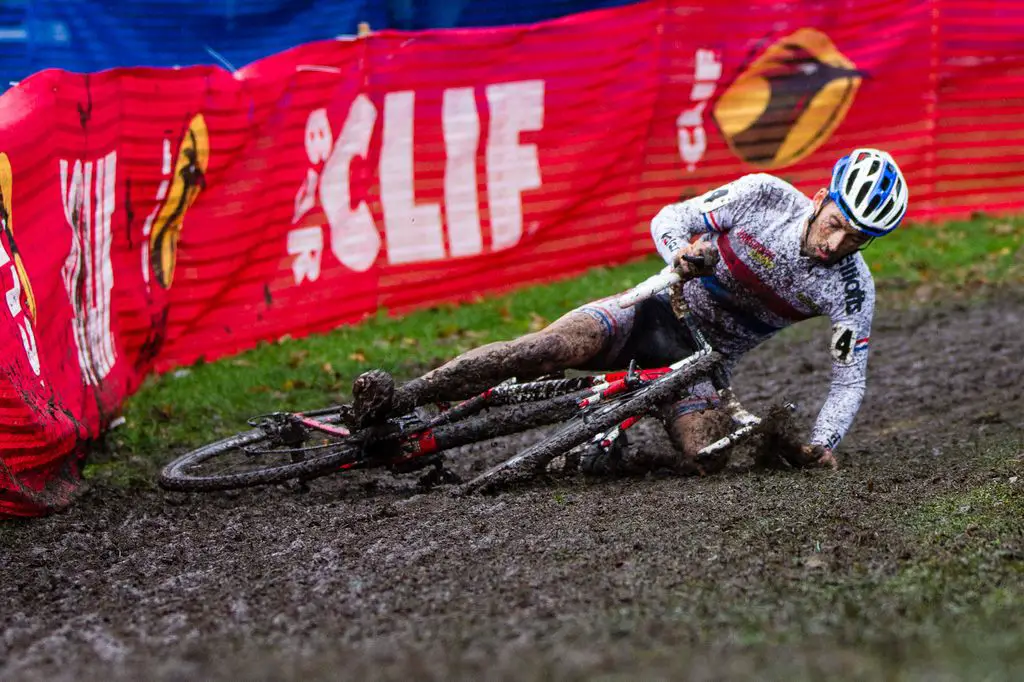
(753, 572)
(568, 342)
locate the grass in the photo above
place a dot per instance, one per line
(191, 405)
(958, 597)
(969, 550)
(983, 250)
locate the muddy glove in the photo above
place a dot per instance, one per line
(697, 259)
(814, 456)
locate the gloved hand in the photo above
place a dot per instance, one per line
(696, 259)
(816, 456)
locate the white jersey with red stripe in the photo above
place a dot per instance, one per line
(763, 284)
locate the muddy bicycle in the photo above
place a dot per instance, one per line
(591, 410)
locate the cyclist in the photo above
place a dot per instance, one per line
(782, 258)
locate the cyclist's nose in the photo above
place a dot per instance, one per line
(835, 241)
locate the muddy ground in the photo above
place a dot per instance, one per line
(908, 563)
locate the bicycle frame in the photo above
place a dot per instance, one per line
(596, 407)
(416, 440)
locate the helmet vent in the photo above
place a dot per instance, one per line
(862, 194)
(850, 180)
(885, 209)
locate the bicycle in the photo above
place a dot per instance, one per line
(592, 408)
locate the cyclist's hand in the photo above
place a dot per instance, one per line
(818, 456)
(696, 259)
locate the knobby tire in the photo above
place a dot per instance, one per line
(175, 476)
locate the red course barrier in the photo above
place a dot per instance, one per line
(154, 216)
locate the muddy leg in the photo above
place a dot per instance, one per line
(692, 431)
(567, 343)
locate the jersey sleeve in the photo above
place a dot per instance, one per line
(851, 313)
(716, 211)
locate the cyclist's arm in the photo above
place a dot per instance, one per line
(851, 316)
(716, 211)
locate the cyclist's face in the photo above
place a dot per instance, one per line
(830, 237)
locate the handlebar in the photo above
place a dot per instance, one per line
(649, 287)
(664, 279)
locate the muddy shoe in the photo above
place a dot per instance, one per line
(373, 394)
(598, 460)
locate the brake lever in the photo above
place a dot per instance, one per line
(708, 260)
(632, 377)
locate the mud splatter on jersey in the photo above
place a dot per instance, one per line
(763, 284)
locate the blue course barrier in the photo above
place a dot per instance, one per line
(92, 35)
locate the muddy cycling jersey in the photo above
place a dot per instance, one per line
(763, 284)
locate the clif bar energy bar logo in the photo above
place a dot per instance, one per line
(788, 101)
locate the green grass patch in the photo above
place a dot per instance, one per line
(967, 563)
(944, 576)
(187, 407)
(969, 567)
(983, 250)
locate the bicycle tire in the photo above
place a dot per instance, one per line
(586, 425)
(175, 475)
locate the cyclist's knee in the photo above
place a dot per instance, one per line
(693, 430)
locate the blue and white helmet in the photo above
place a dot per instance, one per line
(870, 191)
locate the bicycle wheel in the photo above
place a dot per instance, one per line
(587, 424)
(260, 457)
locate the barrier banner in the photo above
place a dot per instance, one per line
(151, 217)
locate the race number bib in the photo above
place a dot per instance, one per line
(844, 340)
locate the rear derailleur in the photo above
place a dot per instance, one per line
(281, 428)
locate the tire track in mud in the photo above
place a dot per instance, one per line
(365, 577)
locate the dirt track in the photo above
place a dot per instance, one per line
(753, 572)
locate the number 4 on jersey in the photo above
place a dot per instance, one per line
(843, 344)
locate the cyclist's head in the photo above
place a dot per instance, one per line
(869, 190)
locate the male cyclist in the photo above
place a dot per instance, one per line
(782, 258)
